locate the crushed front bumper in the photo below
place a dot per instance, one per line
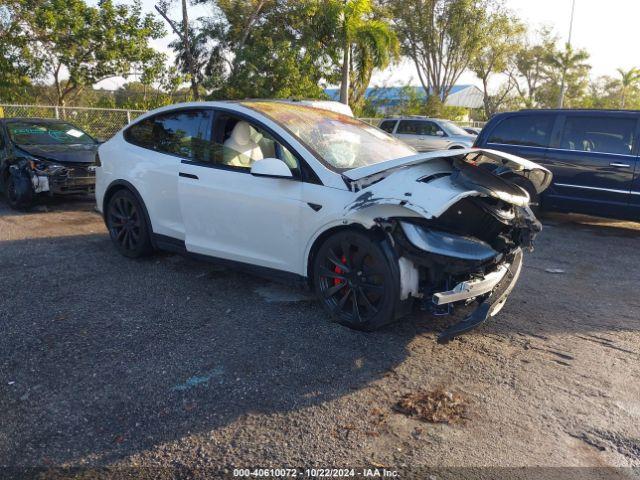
(471, 288)
(69, 181)
(496, 285)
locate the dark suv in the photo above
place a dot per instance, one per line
(593, 155)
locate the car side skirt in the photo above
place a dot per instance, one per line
(174, 245)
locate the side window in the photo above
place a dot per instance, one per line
(184, 133)
(237, 144)
(418, 127)
(526, 130)
(408, 127)
(598, 134)
(429, 128)
(388, 125)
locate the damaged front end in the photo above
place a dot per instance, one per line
(31, 175)
(470, 254)
(463, 237)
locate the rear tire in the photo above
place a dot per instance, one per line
(127, 225)
(355, 280)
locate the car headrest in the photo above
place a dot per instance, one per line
(243, 133)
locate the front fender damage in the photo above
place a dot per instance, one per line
(458, 232)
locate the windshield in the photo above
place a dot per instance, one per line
(25, 132)
(339, 141)
(453, 129)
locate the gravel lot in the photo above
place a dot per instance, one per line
(167, 362)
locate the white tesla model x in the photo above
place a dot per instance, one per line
(292, 190)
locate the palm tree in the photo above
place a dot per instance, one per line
(628, 79)
(568, 63)
(367, 43)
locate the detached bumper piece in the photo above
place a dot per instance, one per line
(499, 283)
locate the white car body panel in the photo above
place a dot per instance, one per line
(242, 217)
(153, 174)
(403, 188)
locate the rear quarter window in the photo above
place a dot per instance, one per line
(183, 133)
(141, 133)
(524, 130)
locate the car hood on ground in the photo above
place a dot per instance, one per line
(63, 153)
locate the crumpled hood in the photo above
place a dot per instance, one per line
(430, 186)
(492, 160)
(63, 153)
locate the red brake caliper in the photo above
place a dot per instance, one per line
(338, 270)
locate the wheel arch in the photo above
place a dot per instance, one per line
(332, 230)
(115, 187)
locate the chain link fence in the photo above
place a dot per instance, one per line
(101, 123)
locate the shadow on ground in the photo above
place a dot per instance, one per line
(102, 357)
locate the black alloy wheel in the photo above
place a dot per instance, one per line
(127, 225)
(355, 281)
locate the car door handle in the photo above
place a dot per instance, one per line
(619, 165)
(188, 175)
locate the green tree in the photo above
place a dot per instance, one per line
(506, 33)
(530, 67)
(569, 69)
(366, 41)
(16, 63)
(628, 80)
(442, 37)
(78, 45)
(269, 48)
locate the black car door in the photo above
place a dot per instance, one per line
(593, 162)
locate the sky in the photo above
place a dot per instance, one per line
(605, 29)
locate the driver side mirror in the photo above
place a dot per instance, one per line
(440, 133)
(271, 167)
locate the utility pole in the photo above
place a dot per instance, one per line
(568, 47)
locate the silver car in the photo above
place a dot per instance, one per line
(427, 134)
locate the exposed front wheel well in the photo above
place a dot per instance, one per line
(326, 234)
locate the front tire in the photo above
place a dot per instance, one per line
(18, 191)
(355, 281)
(127, 225)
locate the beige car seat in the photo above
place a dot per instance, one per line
(242, 149)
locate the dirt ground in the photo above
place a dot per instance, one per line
(167, 362)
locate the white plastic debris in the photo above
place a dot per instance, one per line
(554, 270)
